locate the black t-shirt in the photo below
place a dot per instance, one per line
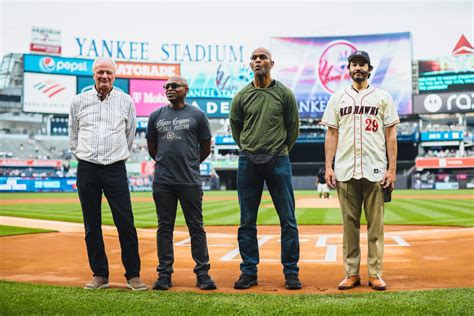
(178, 133)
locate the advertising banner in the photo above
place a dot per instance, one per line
(441, 136)
(448, 102)
(436, 163)
(87, 83)
(315, 67)
(59, 125)
(217, 80)
(148, 168)
(205, 168)
(213, 107)
(45, 40)
(146, 70)
(30, 163)
(17, 184)
(447, 185)
(224, 140)
(44, 93)
(57, 65)
(446, 74)
(148, 95)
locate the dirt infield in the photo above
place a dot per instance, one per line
(416, 257)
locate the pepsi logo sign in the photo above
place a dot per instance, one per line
(47, 64)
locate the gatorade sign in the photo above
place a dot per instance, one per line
(146, 70)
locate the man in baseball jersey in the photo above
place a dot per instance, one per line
(361, 121)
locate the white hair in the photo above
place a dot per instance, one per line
(110, 60)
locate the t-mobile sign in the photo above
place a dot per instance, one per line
(148, 95)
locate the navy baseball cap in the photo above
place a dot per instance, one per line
(360, 54)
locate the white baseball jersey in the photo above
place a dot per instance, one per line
(361, 118)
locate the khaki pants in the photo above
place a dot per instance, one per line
(352, 195)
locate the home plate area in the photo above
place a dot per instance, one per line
(322, 248)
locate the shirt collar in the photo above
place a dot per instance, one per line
(272, 84)
(366, 89)
(99, 96)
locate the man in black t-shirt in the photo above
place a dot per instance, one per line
(179, 139)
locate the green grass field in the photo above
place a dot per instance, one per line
(12, 230)
(25, 299)
(416, 211)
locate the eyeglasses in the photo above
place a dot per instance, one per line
(173, 86)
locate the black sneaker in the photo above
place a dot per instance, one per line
(163, 283)
(292, 282)
(245, 281)
(205, 282)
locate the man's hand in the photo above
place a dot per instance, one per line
(330, 178)
(388, 180)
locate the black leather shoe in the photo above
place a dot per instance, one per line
(245, 281)
(292, 282)
(163, 283)
(205, 282)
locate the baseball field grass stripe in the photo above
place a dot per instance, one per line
(27, 299)
(423, 208)
(440, 211)
(220, 210)
(267, 216)
(320, 215)
(432, 209)
(13, 230)
(452, 210)
(410, 211)
(391, 216)
(301, 212)
(230, 219)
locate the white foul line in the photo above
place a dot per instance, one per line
(400, 241)
(321, 242)
(331, 253)
(230, 255)
(183, 242)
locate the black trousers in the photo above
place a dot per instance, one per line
(92, 180)
(166, 200)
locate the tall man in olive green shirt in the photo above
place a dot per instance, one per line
(265, 123)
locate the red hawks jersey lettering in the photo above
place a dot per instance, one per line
(360, 118)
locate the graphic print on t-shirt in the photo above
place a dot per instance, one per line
(167, 128)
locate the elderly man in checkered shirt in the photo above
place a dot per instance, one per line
(102, 127)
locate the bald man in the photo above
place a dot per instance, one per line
(265, 124)
(101, 130)
(179, 139)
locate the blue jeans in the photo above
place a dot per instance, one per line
(250, 187)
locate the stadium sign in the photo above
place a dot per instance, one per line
(316, 67)
(451, 162)
(167, 52)
(435, 103)
(45, 40)
(214, 108)
(57, 65)
(30, 163)
(45, 93)
(146, 70)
